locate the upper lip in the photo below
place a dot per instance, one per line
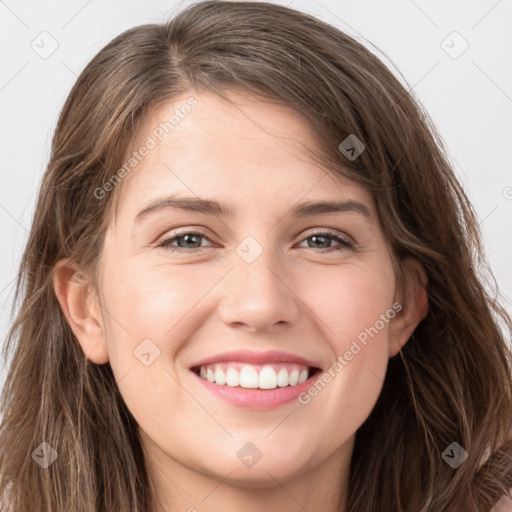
(252, 357)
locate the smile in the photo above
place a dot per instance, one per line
(249, 376)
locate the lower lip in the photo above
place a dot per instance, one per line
(259, 399)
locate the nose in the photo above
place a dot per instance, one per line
(258, 295)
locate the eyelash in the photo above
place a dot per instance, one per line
(345, 244)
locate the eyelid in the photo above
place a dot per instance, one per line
(165, 241)
(344, 241)
(185, 230)
(329, 231)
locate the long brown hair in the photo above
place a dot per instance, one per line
(450, 383)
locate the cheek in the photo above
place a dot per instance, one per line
(152, 313)
(153, 309)
(349, 300)
(355, 307)
(152, 301)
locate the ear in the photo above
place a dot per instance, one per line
(414, 302)
(80, 306)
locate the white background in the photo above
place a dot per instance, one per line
(469, 97)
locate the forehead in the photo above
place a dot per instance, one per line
(249, 149)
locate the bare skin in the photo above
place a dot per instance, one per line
(306, 299)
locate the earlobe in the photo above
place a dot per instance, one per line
(81, 310)
(414, 303)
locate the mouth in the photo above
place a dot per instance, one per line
(253, 376)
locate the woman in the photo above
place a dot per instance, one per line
(256, 370)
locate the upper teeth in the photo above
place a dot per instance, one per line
(254, 376)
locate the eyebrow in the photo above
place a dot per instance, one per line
(210, 207)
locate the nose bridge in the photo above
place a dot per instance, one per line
(257, 293)
(258, 264)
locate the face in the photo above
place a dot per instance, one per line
(296, 292)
